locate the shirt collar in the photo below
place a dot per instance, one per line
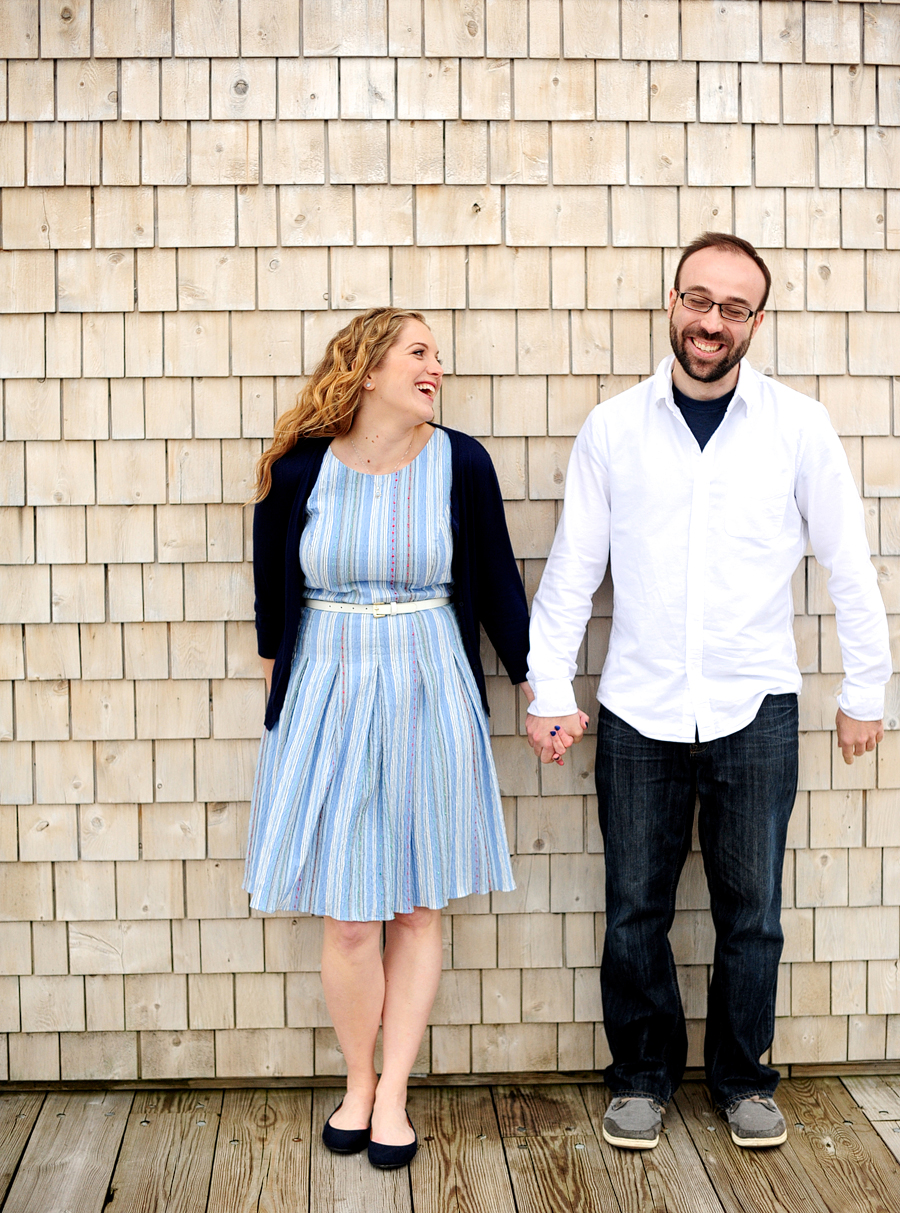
(748, 385)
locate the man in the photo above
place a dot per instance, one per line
(700, 487)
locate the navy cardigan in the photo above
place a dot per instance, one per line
(487, 588)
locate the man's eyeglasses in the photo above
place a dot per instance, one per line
(728, 311)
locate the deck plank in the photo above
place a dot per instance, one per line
(71, 1153)
(349, 1182)
(18, 1113)
(460, 1166)
(841, 1153)
(878, 1097)
(262, 1155)
(747, 1181)
(166, 1157)
(676, 1172)
(288, 1146)
(552, 1151)
(889, 1132)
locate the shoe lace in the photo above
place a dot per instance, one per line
(621, 1100)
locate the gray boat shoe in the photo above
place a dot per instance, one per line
(633, 1122)
(756, 1121)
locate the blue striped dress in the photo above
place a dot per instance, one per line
(375, 791)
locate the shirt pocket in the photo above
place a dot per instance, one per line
(755, 505)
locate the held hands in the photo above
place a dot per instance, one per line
(855, 737)
(551, 736)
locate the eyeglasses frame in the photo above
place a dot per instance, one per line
(712, 303)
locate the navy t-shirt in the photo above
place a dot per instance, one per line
(702, 416)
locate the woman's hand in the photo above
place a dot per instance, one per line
(551, 736)
(525, 688)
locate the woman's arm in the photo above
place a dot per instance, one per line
(270, 525)
(499, 595)
(268, 665)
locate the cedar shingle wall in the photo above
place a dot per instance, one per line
(195, 194)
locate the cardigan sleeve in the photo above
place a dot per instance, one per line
(500, 601)
(271, 518)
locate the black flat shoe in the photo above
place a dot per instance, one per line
(388, 1158)
(344, 1141)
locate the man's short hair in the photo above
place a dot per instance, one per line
(728, 244)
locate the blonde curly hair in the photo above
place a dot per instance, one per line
(328, 401)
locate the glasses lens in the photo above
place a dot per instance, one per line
(696, 303)
(731, 311)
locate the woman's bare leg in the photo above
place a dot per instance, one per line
(353, 979)
(412, 971)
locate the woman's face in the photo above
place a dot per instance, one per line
(409, 376)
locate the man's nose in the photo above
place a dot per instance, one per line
(711, 320)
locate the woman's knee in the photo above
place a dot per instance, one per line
(420, 921)
(351, 938)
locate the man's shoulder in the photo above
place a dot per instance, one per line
(789, 404)
(626, 409)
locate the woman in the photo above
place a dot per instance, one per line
(376, 798)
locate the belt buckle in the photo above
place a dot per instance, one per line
(380, 609)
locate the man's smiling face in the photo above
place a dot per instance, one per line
(707, 346)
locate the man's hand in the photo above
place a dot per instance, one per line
(855, 737)
(551, 736)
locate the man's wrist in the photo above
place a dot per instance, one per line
(862, 705)
(552, 697)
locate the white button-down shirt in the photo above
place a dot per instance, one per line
(702, 546)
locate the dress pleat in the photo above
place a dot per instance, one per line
(375, 791)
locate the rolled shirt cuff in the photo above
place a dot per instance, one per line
(862, 703)
(552, 697)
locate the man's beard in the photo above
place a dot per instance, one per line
(706, 372)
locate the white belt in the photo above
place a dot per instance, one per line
(378, 609)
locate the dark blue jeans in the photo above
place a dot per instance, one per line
(647, 790)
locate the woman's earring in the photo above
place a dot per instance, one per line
(368, 383)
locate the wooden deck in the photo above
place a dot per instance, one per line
(501, 1149)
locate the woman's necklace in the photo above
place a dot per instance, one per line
(361, 459)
